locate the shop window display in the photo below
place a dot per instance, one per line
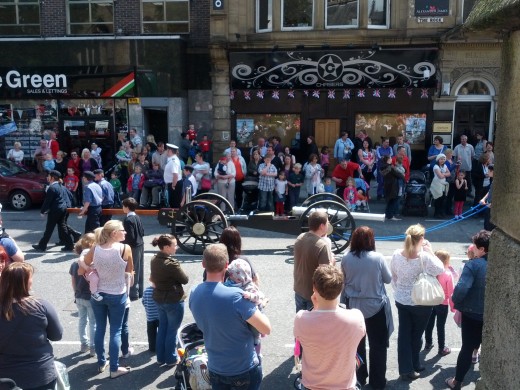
(390, 125)
(251, 127)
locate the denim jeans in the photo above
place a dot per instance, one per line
(124, 332)
(441, 312)
(86, 316)
(170, 319)
(266, 201)
(112, 307)
(249, 380)
(412, 323)
(302, 303)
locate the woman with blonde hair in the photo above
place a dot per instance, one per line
(406, 265)
(113, 262)
(87, 163)
(28, 325)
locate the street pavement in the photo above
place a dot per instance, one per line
(272, 256)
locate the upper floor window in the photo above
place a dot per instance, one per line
(264, 15)
(166, 17)
(378, 13)
(342, 13)
(297, 14)
(88, 17)
(19, 17)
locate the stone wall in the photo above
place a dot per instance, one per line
(501, 337)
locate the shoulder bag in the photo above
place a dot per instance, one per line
(426, 290)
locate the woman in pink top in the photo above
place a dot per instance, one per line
(447, 280)
(113, 261)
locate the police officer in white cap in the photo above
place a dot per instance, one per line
(173, 176)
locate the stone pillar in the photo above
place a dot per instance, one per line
(501, 337)
(221, 101)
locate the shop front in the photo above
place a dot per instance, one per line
(81, 107)
(297, 94)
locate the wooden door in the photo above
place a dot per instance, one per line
(326, 132)
(471, 117)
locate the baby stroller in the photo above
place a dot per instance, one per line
(415, 195)
(192, 371)
(250, 201)
(363, 193)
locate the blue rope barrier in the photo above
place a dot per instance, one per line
(469, 213)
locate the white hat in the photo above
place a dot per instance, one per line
(439, 156)
(172, 146)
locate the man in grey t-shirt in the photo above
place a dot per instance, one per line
(464, 153)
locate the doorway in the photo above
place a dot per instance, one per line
(156, 122)
(470, 118)
(326, 132)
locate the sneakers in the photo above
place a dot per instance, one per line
(128, 354)
(97, 297)
(84, 348)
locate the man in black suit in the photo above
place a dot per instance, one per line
(55, 206)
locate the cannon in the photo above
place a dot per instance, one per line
(201, 221)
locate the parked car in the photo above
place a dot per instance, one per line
(20, 187)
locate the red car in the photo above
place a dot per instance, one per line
(20, 187)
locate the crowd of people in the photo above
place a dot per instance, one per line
(109, 271)
(330, 334)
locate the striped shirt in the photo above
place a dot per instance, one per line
(150, 307)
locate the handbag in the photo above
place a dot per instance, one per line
(205, 184)
(426, 290)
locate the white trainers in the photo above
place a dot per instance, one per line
(129, 353)
(97, 297)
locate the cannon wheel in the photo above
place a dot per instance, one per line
(342, 223)
(321, 196)
(197, 224)
(218, 200)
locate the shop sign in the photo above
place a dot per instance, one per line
(34, 83)
(134, 101)
(371, 68)
(432, 7)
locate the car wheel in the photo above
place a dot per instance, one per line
(20, 200)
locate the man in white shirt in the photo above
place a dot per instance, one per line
(172, 176)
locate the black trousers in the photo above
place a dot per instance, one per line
(441, 313)
(105, 218)
(375, 368)
(239, 194)
(56, 218)
(151, 331)
(471, 330)
(92, 222)
(174, 195)
(136, 291)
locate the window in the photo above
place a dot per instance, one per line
(342, 13)
(87, 17)
(264, 15)
(474, 87)
(20, 17)
(378, 13)
(166, 17)
(297, 14)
